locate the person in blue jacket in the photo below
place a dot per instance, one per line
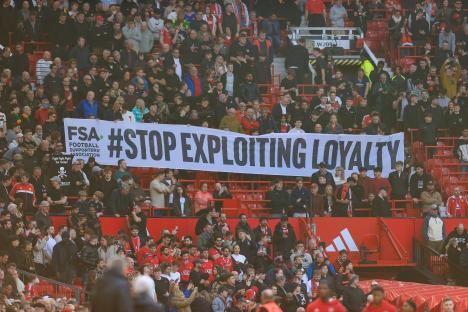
(88, 108)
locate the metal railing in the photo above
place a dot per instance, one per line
(344, 33)
(439, 265)
(54, 288)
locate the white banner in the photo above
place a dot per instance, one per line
(197, 148)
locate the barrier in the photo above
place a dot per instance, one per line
(395, 249)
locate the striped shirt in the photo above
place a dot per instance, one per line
(42, 70)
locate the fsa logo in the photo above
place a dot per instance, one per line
(344, 241)
(83, 133)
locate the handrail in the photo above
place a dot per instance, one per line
(400, 250)
(439, 265)
(77, 291)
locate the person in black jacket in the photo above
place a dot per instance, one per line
(399, 181)
(324, 173)
(418, 182)
(380, 205)
(428, 133)
(112, 291)
(284, 238)
(297, 58)
(412, 113)
(89, 258)
(279, 199)
(121, 201)
(64, 258)
(354, 298)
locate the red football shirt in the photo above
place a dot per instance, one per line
(332, 305)
(384, 307)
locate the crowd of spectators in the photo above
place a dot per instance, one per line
(200, 63)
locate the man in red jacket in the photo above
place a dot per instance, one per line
(457, 204)
(378, 303)
(324, 303)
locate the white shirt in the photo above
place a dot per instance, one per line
(178, 68)
(284, 109)
(435, 229)
(155, 25)
(49, 246)
(128, 116)
(229, 83)
(42, 70)
(296, 130)
(239, 258)
(182, 205)
(174, 276)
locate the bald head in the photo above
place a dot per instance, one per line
(267, 296)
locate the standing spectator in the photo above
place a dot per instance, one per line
(64, 259)
(81, 54)
(315, 13)
(428, 133)
(121, 200)
(338, 14)
(434, 230)
(43, 67)
(398, 180)
(24, 191)
(343, 206)
(113, 285)
(380, 205)
(159, 190)
(323, 172)
(222, 301)
(202, 200)
(279, 199)
(447, 35)
(431, 199)
(88, 108)
(379, 182)
(132, 34)
(147, 39)
(182, 203)
(461, 150)
(460, 236)
(418, 182)
(457, 204)
(284, 237)
(300, 199)
(420, 29)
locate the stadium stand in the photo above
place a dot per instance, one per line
(96, 234)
